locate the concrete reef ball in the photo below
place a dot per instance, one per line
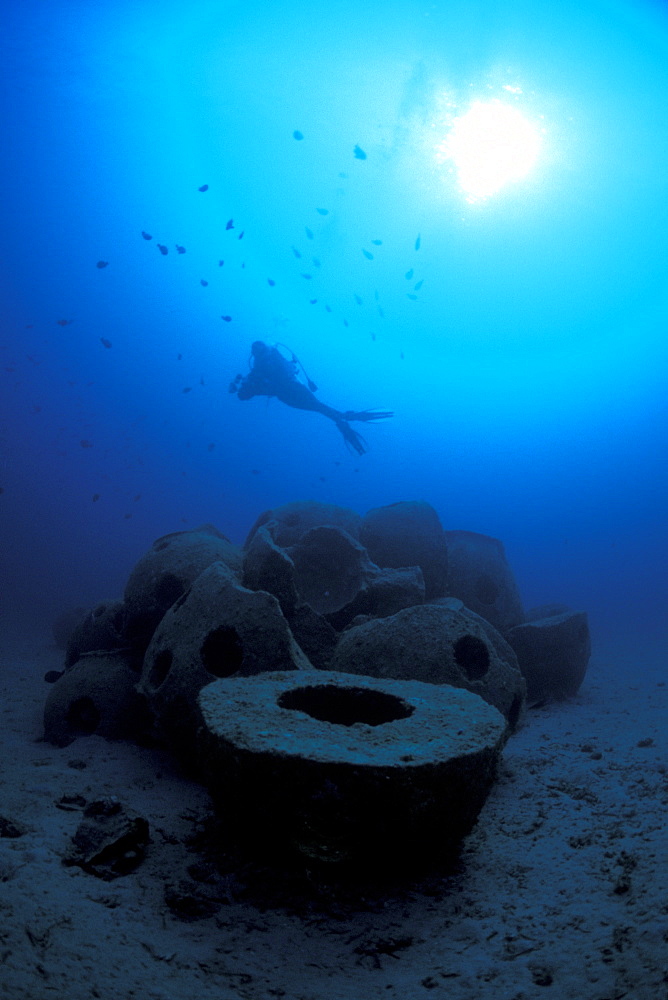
(439, 645)
(99, 628)
(553, 653)
(217, 629)
(291, 520)
(481, 577)
(341, 771)
(408, 533)
(166, 571)
(96, 695)
(330, 571)
(66, 622)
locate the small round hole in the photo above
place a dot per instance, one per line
(82, 716)
(472, 655)
(222, 652)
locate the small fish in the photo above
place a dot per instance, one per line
(95, 497)
(105, 342)
(271, 282)
(255, 472)
(163, 249)
(381, 313)
(297, 134)
(102, 263)
(358, 300)
(296, 252)
(146, 236)
(316, 261)
(408, 275)
(373, 335)
(36, 409)
(322, 211)
(85, 443)
(417, 242)
(345, 322)
(359, 153)
(203, 282)
(179, 357)
(127, 516)
(344, 176)
(309, 233)
(228, 319)
(220, 263)
(230, 224)
(210, 447)
(402, 355)
(312, 302)
(137, 497)
(410, 296)
(204, 187)
(241, 234)
(188, 388)
(307, 276)
(180, 249)
(369, 256)
(64, 322)
(328, 308)
(377, 243)
(418, 285)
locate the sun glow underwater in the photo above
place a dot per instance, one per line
(490, 145)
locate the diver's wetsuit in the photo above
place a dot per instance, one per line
(272, 374)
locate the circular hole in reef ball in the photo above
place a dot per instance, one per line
(222, 652)
(83, 716)
(345, 706)
(472, 655)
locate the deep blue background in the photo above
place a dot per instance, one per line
(528, 378)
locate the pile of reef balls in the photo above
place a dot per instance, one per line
(343, 684)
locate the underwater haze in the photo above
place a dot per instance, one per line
(315, 165)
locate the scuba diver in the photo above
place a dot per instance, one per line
(273, 374)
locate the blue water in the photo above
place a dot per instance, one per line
(527, 376)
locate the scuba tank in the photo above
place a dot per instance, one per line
(309, 381)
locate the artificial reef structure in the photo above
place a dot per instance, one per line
(343, 684)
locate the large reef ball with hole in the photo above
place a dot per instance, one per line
(481, 577)
(436, 645)
(288, 522)
(100, 628)
(340, 772)
(408, 533)
(96, 696)
(217, 629)
(166, 572)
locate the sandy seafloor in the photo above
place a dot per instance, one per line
(561, 891)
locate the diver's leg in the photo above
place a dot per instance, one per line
(298, 396)
(351, 437)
